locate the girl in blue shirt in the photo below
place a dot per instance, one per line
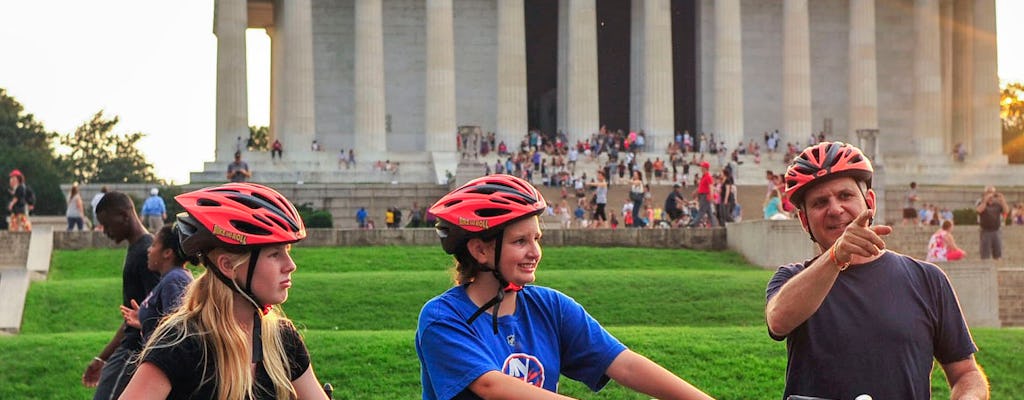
(533, 334)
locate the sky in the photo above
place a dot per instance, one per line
(153, 65)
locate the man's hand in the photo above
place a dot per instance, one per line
(91, 377)
(861, 239)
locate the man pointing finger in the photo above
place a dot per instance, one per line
(858, 318)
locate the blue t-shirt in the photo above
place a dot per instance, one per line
(550, 334)
(876, 332)
(154, 205)
(164, 299)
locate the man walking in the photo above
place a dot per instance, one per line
(992, 209)
(860, 319)
(704, 196)
(111, 370)
(154, 211)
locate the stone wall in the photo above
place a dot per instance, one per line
(1011, 296)
(14, 248)
(697, 239)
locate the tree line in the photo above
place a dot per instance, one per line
(93, 153)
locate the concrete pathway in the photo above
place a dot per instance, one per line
(14, 279)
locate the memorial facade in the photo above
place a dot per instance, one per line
(399, 76)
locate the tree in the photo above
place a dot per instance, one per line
(1012, 112)
(99, 155)
(27, 146)
(258, 138)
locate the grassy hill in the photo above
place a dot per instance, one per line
(699, 314)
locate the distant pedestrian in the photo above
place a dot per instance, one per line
(276, 149)
(154, 211)
(361, 217)
(992, 209)
(96, 225)
(20, 203)
(238, 171)
(75, 209)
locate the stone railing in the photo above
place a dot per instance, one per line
(698, 239)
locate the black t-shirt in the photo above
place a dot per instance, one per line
(183, 362)
(876, 332)
(732, 194)
(136, 283)
(673, 200)
(992, 218)
(20, 205)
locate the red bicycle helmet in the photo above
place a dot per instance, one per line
(237, 215)
(825, 160)
(15, 173)
(481, 205)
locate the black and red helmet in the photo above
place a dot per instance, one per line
(238, 215)
(482, 206)
(825, 160)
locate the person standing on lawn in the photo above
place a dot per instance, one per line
(110, 371)
(533, 334)
(857, 318)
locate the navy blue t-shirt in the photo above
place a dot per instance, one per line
(876, 332)
(165, 298)
(136, 282)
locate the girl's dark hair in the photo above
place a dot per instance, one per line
(169, 240)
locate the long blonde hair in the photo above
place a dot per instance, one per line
(206, 314)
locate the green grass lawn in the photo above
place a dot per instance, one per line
(699, 314)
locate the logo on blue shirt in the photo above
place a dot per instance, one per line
(525, 367)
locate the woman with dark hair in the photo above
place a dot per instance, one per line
(942, 246)
(165, 258)
(229, 338)
(533, 334)
(75, 210)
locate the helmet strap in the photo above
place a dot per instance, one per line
(504, 286)
(257, 318)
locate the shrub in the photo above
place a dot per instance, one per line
(315, 218)
(965, 216)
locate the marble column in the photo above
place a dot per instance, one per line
(963, 74)
(636, 54)
(728, 72)
(582, 107)
(562, 86)
(863, 83)
(298, 123)
(946, 27)
(276, 80)
(229, 23)
(512, 121)
(370, 134)
(440, 95)
(658, 107)
(987, 130)
(796, 73)
(927, 128)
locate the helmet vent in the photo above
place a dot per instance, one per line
(491, 212)
(264, 198)
(248, 202)
(203, 202)
(263, 219)
(248, 228)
